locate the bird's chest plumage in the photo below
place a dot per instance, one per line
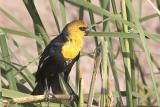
(71, 49)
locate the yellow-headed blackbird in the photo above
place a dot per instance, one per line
(59, 56)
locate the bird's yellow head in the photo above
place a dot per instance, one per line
(75, 32)
(77, 29)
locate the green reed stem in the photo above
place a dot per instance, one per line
(146, 49)
(127, 61)
(94, 77)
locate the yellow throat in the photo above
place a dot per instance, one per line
(74, 44)
(71, 49)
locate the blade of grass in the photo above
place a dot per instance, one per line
(104, 74)
(78, 73)
(22, 70)
(158, 4)
(150, 92)
(77, 76)
(119, 29)
(14, 20)
(1, 97)
(66, 89)
(100, 11)
(154, 7)
(114, 71)
(114, 34)
(81, 97)
(155, 37)
(154, 61)
(26, 75)
(54, 12)
(6, 58)
(81, 13)
(105, 97)
(21, 34)
(133, 72)
(22, 49)
(129, 17)
(63, 13)
(146, 18)
(94, 76)
(38, 26)
(118, 25)
(78, 80)
(140, 69)
(126, 57)
(92, 22)
(13, 94)
(111, 59)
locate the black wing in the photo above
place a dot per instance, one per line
(51, 60)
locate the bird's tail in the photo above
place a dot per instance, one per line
(55, 85)
(57, 89)
(40, 88)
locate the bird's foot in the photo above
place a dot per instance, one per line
(47, 97)
(75, 97)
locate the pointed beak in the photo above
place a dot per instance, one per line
(89, 29)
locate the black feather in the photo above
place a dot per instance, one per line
(51, 64)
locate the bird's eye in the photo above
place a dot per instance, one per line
(82, 28)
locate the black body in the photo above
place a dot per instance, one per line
(51, 64)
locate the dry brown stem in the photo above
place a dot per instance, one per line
(36, 98)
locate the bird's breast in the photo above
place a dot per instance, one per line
(71, 49)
